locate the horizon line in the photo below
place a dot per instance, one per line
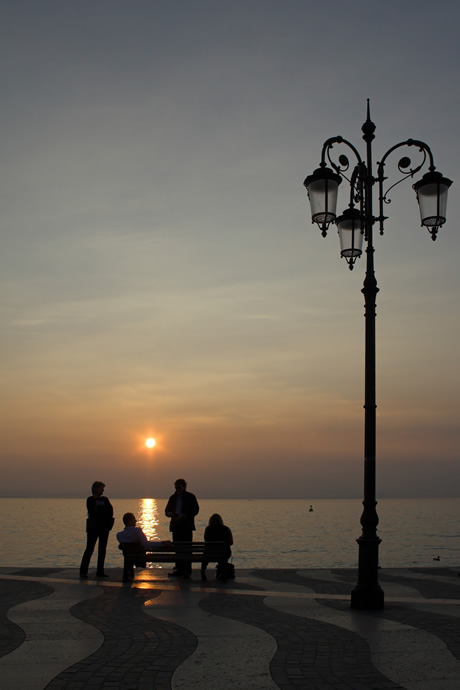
(245, 498)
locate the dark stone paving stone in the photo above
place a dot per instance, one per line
(13, 593)
(138, 651)
(293, 578)
(310, 654)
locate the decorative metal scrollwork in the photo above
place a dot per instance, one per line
(404, 167)
(341, 165)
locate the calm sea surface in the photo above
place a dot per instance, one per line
(267, 533)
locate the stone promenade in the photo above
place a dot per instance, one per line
(267, 629)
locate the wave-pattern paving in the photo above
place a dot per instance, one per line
(16, 592)
(270, 628)
(310, 653)
(230, 654)
(54, 639)
(138, 651)
(292, 577)
(421, 630)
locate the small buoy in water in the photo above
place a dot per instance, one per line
(311, 509)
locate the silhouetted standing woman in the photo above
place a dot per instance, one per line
(98, 525)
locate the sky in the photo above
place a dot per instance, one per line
(160, 274)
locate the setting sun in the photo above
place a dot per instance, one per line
(150, 442)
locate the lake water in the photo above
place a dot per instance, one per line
(267, 533)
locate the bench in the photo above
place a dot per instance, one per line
(194, 551)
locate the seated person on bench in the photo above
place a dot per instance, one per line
(135, 541)
(217, 531)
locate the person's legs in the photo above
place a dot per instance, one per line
(91, 538)
(177, 570)
(103, 539)
(183, 568)
(187, 565)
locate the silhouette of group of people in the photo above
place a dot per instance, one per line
(182, 508)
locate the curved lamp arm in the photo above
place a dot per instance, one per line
(404, 168)
(343, 160)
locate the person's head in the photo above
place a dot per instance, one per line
(129, 520)
(98, 488)
(215, 520)
(180, 485)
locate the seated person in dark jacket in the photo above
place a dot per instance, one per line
(134, 538)
(217, 531)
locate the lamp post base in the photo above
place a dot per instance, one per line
(368, 595)
(368, 598)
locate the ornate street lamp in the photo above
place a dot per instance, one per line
(355, 225)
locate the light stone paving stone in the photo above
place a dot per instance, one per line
(411, 657)
(438, 684)
(230, 655)
(448, 610)
(54, 639)
(322, 574)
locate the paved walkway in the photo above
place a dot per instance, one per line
(267, 629)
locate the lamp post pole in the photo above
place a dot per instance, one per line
(355, 224)
(368, 593)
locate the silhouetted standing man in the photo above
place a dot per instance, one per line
(182, 508)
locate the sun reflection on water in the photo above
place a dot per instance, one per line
(147, 517)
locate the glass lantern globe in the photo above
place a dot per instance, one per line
(322, 187)
(431, 193)
(350, 229)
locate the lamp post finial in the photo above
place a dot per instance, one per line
(368, 127)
